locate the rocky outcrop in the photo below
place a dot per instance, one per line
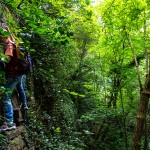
(15, 139)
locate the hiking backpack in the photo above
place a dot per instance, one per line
(24, 63)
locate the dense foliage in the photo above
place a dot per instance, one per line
(85, 82)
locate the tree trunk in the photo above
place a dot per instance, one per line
(141, 115)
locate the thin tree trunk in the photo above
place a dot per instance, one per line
(136, 63)
(114, 93)
(124, 121)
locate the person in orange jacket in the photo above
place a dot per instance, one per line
(14, 79)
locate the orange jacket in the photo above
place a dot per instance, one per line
(11, 66)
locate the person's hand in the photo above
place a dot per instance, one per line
(7, 28)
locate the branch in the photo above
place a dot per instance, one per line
(135, 59)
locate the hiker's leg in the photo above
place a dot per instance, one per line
(8, 108)
(22, 93)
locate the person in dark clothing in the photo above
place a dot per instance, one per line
(14, 79)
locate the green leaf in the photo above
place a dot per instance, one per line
(57, 130)
(6, 34)
(31, 50)
(41, 31)
(33, 25)
(74, 93)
